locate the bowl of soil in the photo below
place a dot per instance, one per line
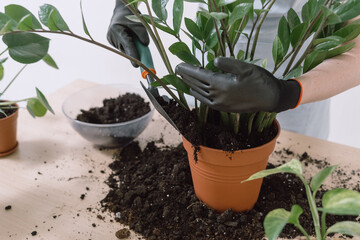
(109, 116)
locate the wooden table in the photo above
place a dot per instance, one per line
(44, 179)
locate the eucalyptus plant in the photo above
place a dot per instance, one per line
(336, 202)
(214, 32)
(37, 106)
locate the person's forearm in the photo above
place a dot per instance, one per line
(332, 76)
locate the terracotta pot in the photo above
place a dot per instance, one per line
(8, 139)
(217, 175)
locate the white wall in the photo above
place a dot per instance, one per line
(81, 60)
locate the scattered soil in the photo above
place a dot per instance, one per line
(115, 110)
(151, 191)
(214, 134)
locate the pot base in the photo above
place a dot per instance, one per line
(3, 154)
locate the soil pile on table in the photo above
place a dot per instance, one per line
(151, 191)
(116, 110)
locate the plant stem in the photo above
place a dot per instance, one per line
(162, 49)
(302, 230)
(323, 225)
(309, 47)
(221, 44)
(12, 80)
(250, 36)
(114, 51)
(308, 31)
(3, 51)
(313, 208)
(238, 33)
(258, 30)
(225, 32)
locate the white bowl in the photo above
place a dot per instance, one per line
(105, 135)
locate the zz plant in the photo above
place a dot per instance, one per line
(335, 201)
(320, 31)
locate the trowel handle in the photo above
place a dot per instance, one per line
(145, 58)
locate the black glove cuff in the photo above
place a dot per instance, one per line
(290, 95)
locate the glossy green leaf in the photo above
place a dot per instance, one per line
(327, 45)
(211, 41)
(209, 28)
(178, 83)
(50, 61)
(320, 177)
(240, 55)
(308, 10)
(225, 2)
(41, 97)
(18, 13)
(193, 28)
(26, 47)
(83, 20)
(275, 222)
(347, 227)
(1, 71)
(294, 73)
(295, 213)
(340, 50)
(332, 18)
(5, 19)
(51, 18)
(293, 18)
(7, 28)
(294, 166)
(277, 50)
(284, 34)
(341, 202)
(349, 31)
(178, 11)
(297, 34)
(157, 23)
(159, 8)
(196, 1)
(25, 23)
(239, 12)
(182, 51)
(349, 10)
(313, 59)
(218, 15)
(35, 108)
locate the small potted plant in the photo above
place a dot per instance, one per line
(9, 110)
(214, 32)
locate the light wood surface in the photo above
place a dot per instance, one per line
(45, 178)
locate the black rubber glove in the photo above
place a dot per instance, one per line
(244, 87)
(122, 31)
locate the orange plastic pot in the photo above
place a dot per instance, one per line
(217, 175)
(8, 135)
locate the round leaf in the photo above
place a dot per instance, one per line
(341, 202)
(51, 18)
(26, 47)
(275, 222)
(18, 12)
(35, 108)
(346, 227)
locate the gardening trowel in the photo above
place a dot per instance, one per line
(151, 91)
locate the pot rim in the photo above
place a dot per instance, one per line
(276, 122)
(11, 115)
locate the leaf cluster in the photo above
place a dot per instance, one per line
(336, 202)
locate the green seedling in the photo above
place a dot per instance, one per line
(335, 201)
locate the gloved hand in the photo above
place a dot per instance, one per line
(243, 87)
(122, 31)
